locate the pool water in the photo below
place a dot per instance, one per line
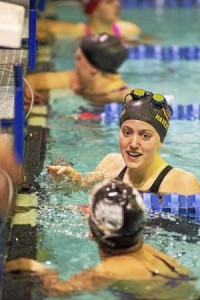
(63, 234)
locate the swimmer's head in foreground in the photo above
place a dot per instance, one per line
(117, 214)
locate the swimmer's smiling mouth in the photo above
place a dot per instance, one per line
(134, 154)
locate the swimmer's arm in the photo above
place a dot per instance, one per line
(109, 167)
(88, 280)
(133, 35)
(50, 80)
(181, 182)
(142, 39)
(76, 179)
(190, 184)
(61, 27)
(46, 81)
(147, 38)
(128, 29)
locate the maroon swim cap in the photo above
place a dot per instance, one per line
(89, 5)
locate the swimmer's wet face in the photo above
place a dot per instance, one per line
(105, 10)
(117, 214)
(147, 107)
(108, 11)
(103, 51)
(139, 144)
(84, 69)
(89, 6)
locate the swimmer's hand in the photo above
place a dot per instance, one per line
(143, 39)
(43, 34)
(47, 278)
(40, 97)
(60, 173)
(25, 264)
(83, 209)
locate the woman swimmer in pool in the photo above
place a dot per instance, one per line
(129, 267)
(95, 76)
(103, 16)
(144, 123)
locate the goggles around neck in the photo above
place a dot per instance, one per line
(156, 99)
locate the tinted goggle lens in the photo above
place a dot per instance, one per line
(158, 97)
(136, 94)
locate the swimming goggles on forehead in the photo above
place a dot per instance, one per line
(138, 94)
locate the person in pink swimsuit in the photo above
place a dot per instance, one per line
(89, 8)
(102, 16)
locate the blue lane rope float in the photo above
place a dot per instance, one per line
(159, 3)
(190, 112)
(174, 52)
(179, 205)
(111, 113)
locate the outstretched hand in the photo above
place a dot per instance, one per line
(48, 278)
(60, 173)
(143, 39)
(39, 98)
(25, 264)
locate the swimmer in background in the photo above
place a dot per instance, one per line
(95, 76)
(144, 123)
(103, 16)
(128, 265)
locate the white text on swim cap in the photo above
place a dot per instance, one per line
(162, 121)
(109, 217)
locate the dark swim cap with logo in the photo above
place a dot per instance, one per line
(117, 214)
(104, 51)
(147, 107)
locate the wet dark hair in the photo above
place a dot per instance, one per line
(117, 214)
(104, 51)
(146, 108)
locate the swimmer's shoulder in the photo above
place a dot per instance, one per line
(80, 29)
(181, 182)
(111, 163)
(114, 159)
(72, 29)
(123, 267)
(157, 254)
(128, 29)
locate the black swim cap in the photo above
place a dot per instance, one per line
(117, 214)
(147, 107)
(105, 52)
